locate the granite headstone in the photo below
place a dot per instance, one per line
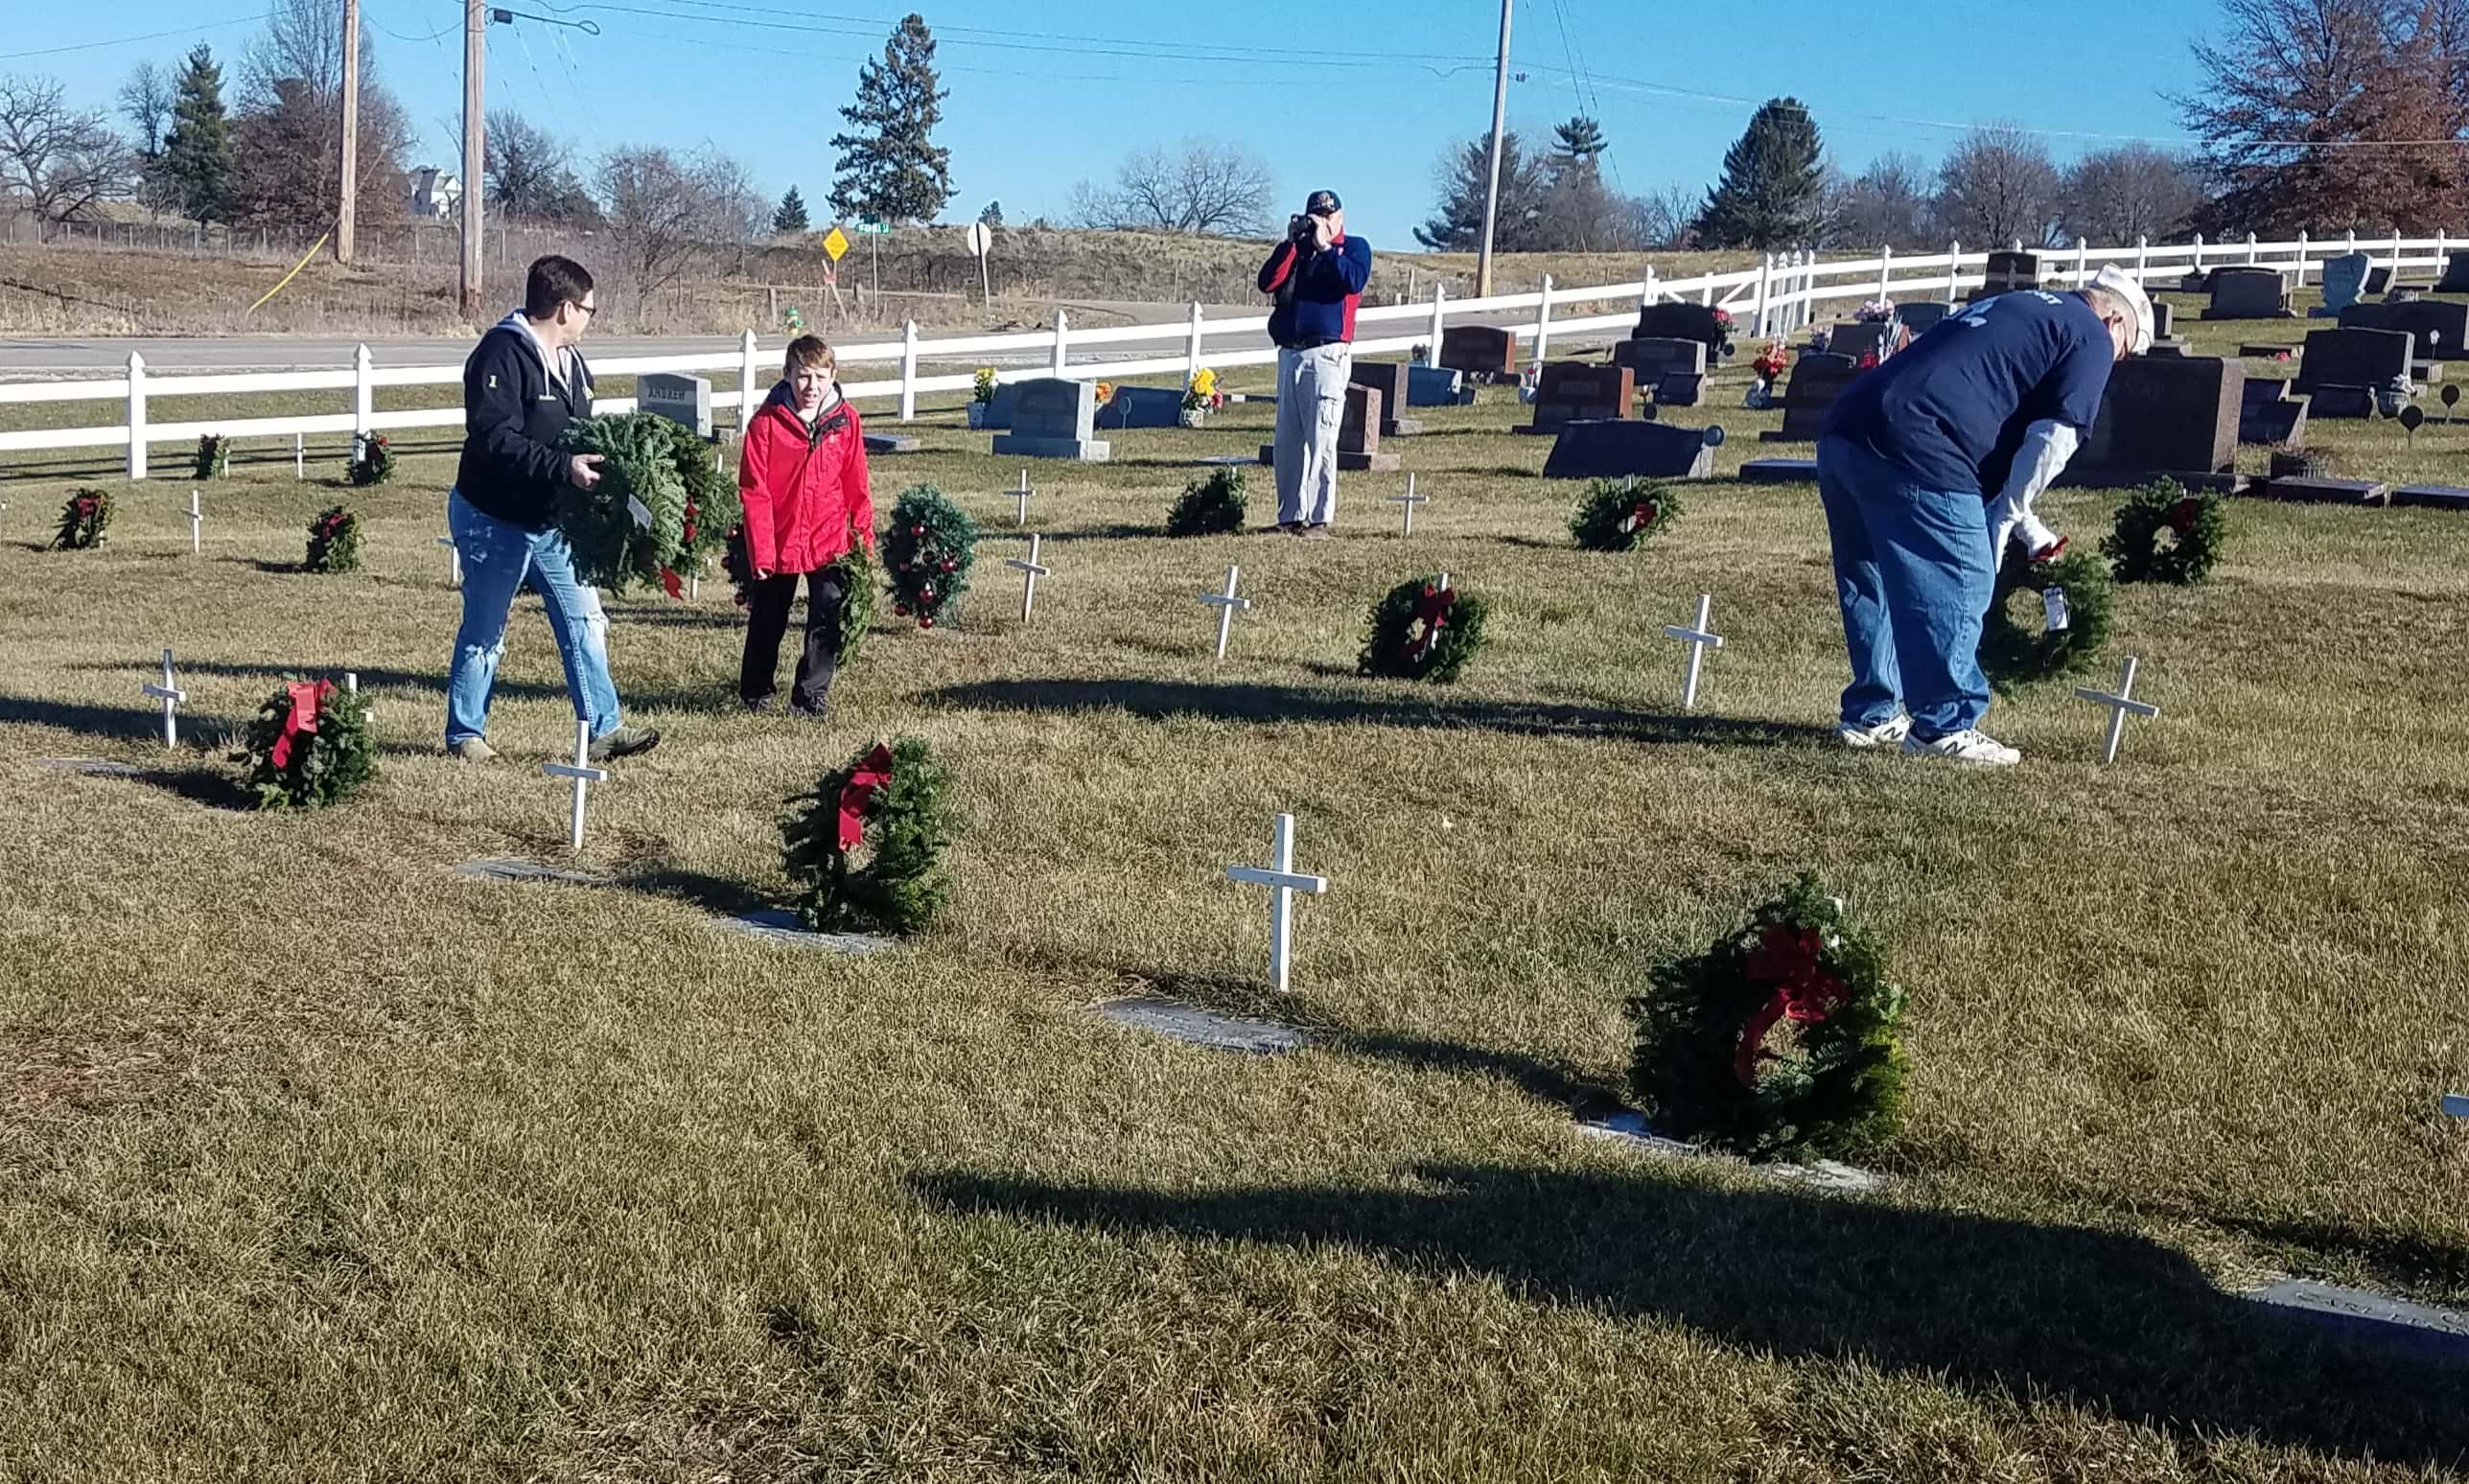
(1394, 381)
(1483, 352)
(1572, 391)
(1053, 418)
(1613, 449)
(2167, 416)
(2247, 294)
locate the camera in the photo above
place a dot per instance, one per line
(1299, 228)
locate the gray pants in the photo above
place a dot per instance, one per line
(1311, 405)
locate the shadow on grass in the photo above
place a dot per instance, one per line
(1113, 530)
(712, 893)
(2406, 1261)
(216, 788)
(370, 680)
(1160, 700)
(278, 569)
(2008, 1311)
(97, 721)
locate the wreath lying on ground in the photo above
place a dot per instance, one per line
(1210, 507)
(373, 461)
(2074, 593)
(1620, 515)
(309, 746)
(214, 456)
(928, 553)
(631, 526)
(1425, 629)
(83, 520)
(333, 542)
(1777, 1040)
(2196, 524)
(895, 797)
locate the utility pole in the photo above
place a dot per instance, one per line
(347, 203)
(476, 51)
(1499, 127)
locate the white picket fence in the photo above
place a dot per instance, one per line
(1780, 294)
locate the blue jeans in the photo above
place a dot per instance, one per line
(499, 558)
(1914, 573)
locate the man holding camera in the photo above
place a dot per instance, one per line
(1317, 276)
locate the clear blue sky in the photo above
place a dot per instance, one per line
(1360, 97)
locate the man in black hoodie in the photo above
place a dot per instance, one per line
(524, 383)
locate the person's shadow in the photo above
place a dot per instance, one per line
(2004, 1309)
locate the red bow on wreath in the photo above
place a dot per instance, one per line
(1785, 957)
(301, 720)
(874, 771)
(1432, 612)
(672, 583)
(1641, 517)
(85, 506)
(332, 523)
(2183, 515)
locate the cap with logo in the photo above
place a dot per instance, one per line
(2118, 281)
(1323, 203)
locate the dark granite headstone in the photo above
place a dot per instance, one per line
(1572, 391)
(2344, 283)
(997, 416)
(2247, 294)
(2279, 423)
(2432, 497)
(1394, 381)
(1671, 321)
(1142, 406)
(1203, 1027)
(2164, 319)
(2439, 327)
(1679, 390)
(2318, 490)
(2342, 401)
(1358, 435)
(1053, 418)
(1922, 318)
(2269, 350)
(2379, 280)
(2353, 357)
(1878, 338)
(1818, 378)
(1653, 359)
(1613, 449)
(2455, 274)
(2008, 272)
(1482, 352)
(1779, 471)
(1437, 386)
(2167, 416)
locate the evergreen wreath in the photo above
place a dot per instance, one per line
(309, 746)
(214, 456)
(2196, 523)
(1426, 628)
(372, 460)
(1715, 1066)
(927, 553)
(861, 583)
(83, 520)
(631, 526)
(1210, 507)
(895, 797)
(1622, 515)
(714, 514)
(2013, 654)
(333, 541)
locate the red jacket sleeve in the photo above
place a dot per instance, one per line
(754, 461)
(855, 497)
(1281, 261)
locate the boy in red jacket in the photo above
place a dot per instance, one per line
(803, 479)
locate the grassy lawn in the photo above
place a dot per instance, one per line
(317, 1161)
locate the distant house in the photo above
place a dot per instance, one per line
(435, 192)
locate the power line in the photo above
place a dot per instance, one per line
(152, 35)
(1195, 51)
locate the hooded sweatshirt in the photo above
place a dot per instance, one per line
(514, 412)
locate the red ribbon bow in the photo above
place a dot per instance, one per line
(1643, 516)
(2183, 515)
(857, 796)
(1432, 612)
(301, 719)
(1785, 957)
(672, 583)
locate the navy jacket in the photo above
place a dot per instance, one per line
(1327, 287)
(513, 416)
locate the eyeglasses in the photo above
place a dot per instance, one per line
(589, 309)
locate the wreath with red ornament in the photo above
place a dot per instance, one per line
(1622, 515)
(372, 460)
(333, 541)
(1778, 1041)
(928, 553)
(2166, 533)
(84, 519)
(1426, 629)
(866, 846)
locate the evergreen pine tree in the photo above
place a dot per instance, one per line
(791, 216)
(993, 214)
(1577, 141)
(890, 171)
(1771, 192)
(197, 162)
(1464, 174)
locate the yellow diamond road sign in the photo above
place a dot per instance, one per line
(837, 244)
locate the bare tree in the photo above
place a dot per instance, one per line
(1201, 186)
(1998, 185)
(1662, 220)
(1886, 204)
(2113, 197)
(146, 101)
(529, 173)
(304, 40)
(664, 210)
(64, 162)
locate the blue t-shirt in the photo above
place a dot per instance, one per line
(1951, 408)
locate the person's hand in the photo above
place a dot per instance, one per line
(1323, 233)
(583, 470)
(762, 574)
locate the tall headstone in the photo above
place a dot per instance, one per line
(1394, 381)
(1572, 391)
(1673, 321)
(2344, 369)
(1054, 418)
(2008, 272)
(1437, 386)
(2344, 283)
(1358, 435)
(1653, 358)
(685, 400)
(1818, 378)
(2455, 274)
(1486, 354)
(1880, 338)
(1613, 449)
(2437, 326)
(2268, 414)
(1142, 406)
(2248, 293)
(2167, 416)
(1923, 318)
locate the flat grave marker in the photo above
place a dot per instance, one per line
(508, 869)
(2432, 497)
(1203, 1027)
(1632, 1130)
(781, 928)
(2378, 1317)
(1779, 471)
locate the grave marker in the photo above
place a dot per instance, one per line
(1358, 435)
(1615, 449)
(1054, 418)
(1818, 378)
(1394, 381)
(1700, 638)
(1654, 357)
(1573, 391)
(1283, 882)
(2456, 1105)
(1437, 387)
(1483, 353)
(2455, 274)
(2436, 328)
(172, 696)
(2362, 360)
(1406, 504)
(1203, 1027)
(2175, 416)
(1021, 493)
(1880, 338)
(2007, 272)
(1922, 318)
(2432, 497)
(1678, 321)
(582, 773)
(1226, 604)
(2269, 415)
(1779, 471)
(197, 526)
(781, 929)
(1142, 406)
(2121, 704)
(2247, 294)
(683, 400)
(2344, 281)
(1030, 571)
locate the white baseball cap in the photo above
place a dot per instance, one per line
(2118, 281)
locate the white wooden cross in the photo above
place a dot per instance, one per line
(1283, 883)
(1022, 494)
(299, 457)
(1699, 638)
(582, 773)
(172, 696)
(2121, 705)
(1407, 503)
(1030, 571)
(197, 526)
(1226, 603)
(453, 558)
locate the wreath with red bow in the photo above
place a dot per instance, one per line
(1427, 628)
(308, 746)
(2166, 533)
(866, 847)
(333, 541)
(84, 519)
(372, 460)
(1622, 515)
(1779, 1040)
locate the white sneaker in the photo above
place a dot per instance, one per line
(1886, 734)
(1970, 746)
